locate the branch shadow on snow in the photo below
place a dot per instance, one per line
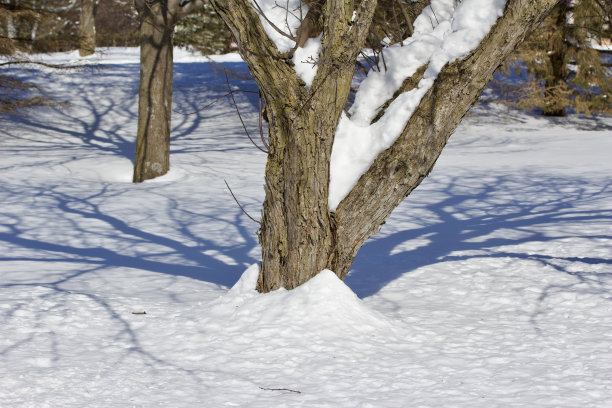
(101, 107)
(94, 243)
(99, 123)
(488, 112)
(61, 300)
(491, 217)
(451, 218)
(69, 234)
(99, 111)
(119, 241)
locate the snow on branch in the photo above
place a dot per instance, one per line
(281, 20)
(444, 32)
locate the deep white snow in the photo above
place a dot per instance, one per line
(491, 286)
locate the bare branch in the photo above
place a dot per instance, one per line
(362, 21)
(236, 200)
(231, 92)
(407, 85)
(278, 30)
(308, 24)
(212, 103)
(258, 50)
(44, 64)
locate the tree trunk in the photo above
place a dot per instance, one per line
(554, 95)
(157, 21)
(298, 233)
(87, 29)
(154, 99)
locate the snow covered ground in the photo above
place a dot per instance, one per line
(491, 286)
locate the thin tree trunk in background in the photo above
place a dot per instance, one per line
(87, 29)
(554, 98)
(157, 21)
(154, 100)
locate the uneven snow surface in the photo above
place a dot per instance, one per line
(491, 286)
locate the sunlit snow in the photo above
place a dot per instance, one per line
(489, 287)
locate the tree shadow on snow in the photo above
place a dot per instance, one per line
(181, 253)
(100, 123)
(101, 108)
(449, 218)
(488, 112)
(489, 217)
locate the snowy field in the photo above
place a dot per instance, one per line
(491, 285)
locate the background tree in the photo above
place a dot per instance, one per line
(116, 24)
(300, 235)
(157, 21)
(34, 26)
(59, 25)
(87, 28)
(29, 26)
(203, 31)
(559, 63)
(37, 26)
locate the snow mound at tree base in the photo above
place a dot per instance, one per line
(324, 304)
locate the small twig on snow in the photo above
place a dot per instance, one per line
(434, 13)
(280, 389)
(382, 55)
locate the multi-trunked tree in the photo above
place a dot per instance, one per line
(301, 233)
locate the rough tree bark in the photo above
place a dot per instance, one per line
(553, 92)
(87, 28)
(299, 235)
(157, 21)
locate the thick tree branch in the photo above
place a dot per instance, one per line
(407, 85)
(402, 167)
(309, 26)
(343, 39)
(343, 36)
(271, 70)
(362, 21)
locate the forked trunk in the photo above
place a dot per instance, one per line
(154, 100)
(299, 236)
